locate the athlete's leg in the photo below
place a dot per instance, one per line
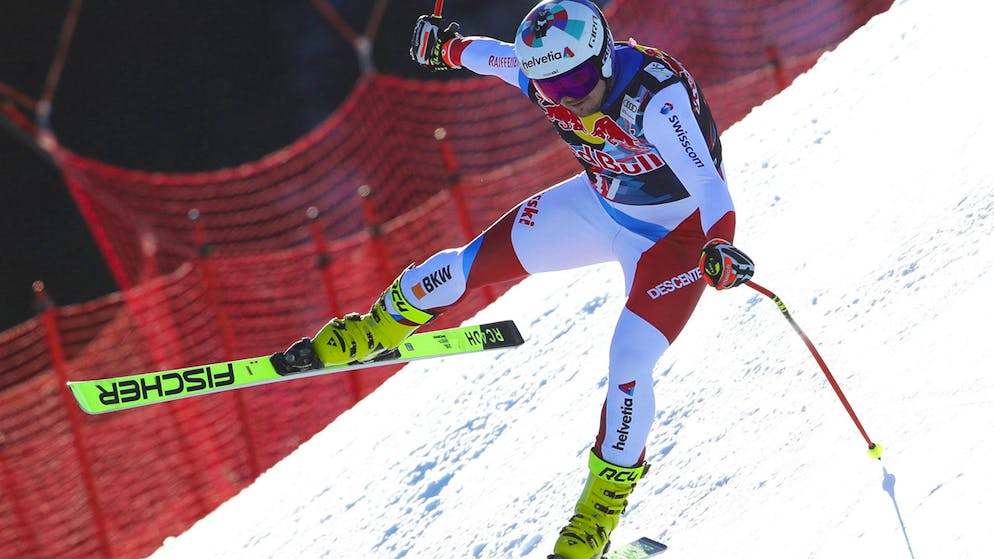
(664, 287)
(630, 403)
(563, 227)
(650, 254)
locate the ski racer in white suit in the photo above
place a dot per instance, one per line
(652, 196)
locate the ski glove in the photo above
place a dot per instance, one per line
(429, 39)
(724, 266)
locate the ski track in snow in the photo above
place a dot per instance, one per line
(864, 195)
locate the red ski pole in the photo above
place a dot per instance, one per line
(875, 450)
(438, 8)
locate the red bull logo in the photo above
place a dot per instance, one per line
(612, 133)
(604, 127)
(636, 164)
(563, 117)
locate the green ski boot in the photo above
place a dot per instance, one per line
(598, 510)
(357, 337)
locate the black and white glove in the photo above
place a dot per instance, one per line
(724, 266)
(428, 40)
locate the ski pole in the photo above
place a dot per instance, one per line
(875, 450)
(438, 8)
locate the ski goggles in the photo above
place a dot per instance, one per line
(576, 83)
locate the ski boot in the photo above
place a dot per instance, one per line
(604, 498)
(356, 338)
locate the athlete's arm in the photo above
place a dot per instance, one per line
(670, 125)
(484, 56)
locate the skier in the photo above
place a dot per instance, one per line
(652, 196)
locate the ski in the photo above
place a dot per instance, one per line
(126, 392)
(641, 548)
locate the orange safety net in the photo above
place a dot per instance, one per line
(255, 270)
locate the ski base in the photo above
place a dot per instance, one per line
(120, 393)
(641, 548)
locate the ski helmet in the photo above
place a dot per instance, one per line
(558, 36)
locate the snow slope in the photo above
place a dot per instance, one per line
(864, 195)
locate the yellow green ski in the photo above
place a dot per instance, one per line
(121, 393)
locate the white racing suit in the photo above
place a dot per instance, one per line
(651, 194)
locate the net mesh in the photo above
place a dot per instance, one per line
(256, 269)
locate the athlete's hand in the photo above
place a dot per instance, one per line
(429, 39)
(724, 266)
